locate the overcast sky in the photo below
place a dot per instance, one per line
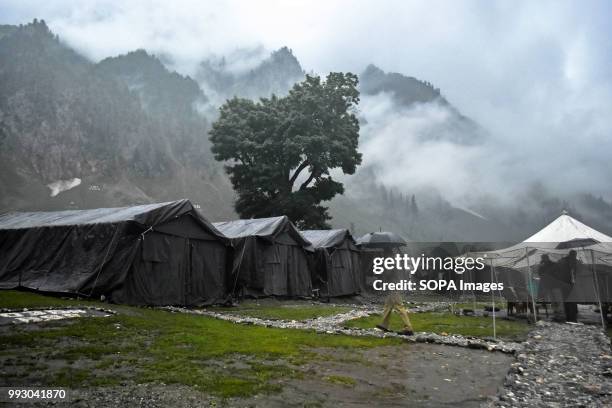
(537, 74)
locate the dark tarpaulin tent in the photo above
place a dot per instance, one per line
(374, 245)
(335, 264)
(269, 258)
(153, 254)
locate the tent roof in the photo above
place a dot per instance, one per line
(565, 228)
(147, 215)
(268, 228)
(381, 239)
(327, 238)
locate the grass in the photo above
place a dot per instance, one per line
(341, 380)
(479, 305)
(451, 324)
(148, 345)
(12, 299)
(284, 312)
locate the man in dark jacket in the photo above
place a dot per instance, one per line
(567, 275)
(546, 272)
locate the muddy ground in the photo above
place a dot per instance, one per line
(415, 375)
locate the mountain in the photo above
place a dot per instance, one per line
(227, 78)
(161, 93)
(127, 128)
(399, 116)
(406, 90)
(169, 100)
(408, 93)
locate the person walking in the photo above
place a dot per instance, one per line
(393, 302)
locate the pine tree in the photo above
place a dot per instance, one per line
(414, 209)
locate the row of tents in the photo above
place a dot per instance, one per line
(169, 254)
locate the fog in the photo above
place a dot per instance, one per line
(534, 75)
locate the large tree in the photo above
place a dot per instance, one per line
(280, 151)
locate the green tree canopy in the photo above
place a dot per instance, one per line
(280, 151)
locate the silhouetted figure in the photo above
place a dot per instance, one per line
(546, 272)
(567, 275)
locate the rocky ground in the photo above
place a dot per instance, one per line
(561, 365)
(334, 325)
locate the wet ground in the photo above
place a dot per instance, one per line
(415, 375)
(411, 375)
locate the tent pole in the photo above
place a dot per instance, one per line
(530, 287)
(596, 285)
(472, 275)
(493, 302)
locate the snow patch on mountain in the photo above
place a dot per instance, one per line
(60, 186)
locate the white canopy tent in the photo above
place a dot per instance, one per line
(563, 232)
(593, 252)
(564, 229)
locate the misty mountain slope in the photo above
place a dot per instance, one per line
(409, 95)
(406, 90)
(226, 77)
(55, 113)
(410, 136)
(161, 92)
(168, 99)
(61, 117)
(420, 215)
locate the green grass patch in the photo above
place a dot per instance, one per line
(13, 299)
(148, 345)
(284, 312)
(340, 380)
(451, 324)
(479, 305)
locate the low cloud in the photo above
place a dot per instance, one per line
(423, 147)
(535, 75)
